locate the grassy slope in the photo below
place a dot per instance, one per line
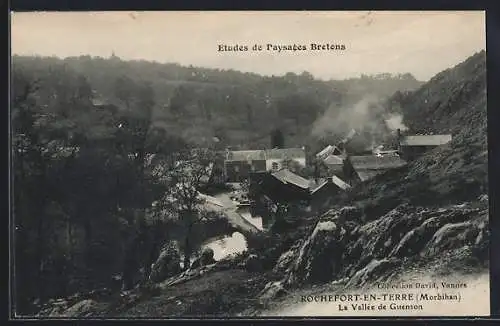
(453, 101)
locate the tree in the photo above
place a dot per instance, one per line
(28, 176)
(134, 131)
(189, 174)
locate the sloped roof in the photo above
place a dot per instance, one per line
(340, 183)
(288, 177)
(246, 155)
(372, 162)
(325, 151)
(368, 174)
(283, 153)
(335, 180)
(425, 140)
(333, 159)
(319, 186)
(268, 154)
(328, 150)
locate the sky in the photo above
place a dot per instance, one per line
(421, 43)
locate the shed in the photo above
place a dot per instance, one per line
(410, 147)
(368, 166)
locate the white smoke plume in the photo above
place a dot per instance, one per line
(395, 122)
(362, 116)
(368, 117)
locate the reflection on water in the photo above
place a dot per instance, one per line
(227, 245)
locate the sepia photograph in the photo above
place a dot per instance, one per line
(218, 164)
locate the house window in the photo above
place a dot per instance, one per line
(275, 166)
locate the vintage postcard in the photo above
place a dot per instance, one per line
(255, 164)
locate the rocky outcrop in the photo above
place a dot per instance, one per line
(342, 246)
(167, 264)
(371, 272)
(83, 308)
(272, 290)
(77, 305)
(284, 263)
(455, 235)
(319, 257)
(206, 258)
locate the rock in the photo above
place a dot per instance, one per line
(340, 281)
(272, 290)
(83, 308)
(451, 236)
(319, 257)
(371, 272)
(350, 214)
(416, 239)
(402, 233)
(284, 263)
(343, 215)
(167, 264)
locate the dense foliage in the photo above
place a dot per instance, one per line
(240, 109)
(81, 188)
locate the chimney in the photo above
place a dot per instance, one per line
(398, 140)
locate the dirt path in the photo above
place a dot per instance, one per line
(229, 208)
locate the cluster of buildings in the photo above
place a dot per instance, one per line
(289, 176)
(238, 165)
(270, 171)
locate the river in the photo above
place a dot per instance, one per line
(224, 246)
(227, 245)
(235, 243)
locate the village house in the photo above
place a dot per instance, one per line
(298, 193)
(280, 186)
(239, 164)
(367, 167)
(326, 189)
(278, 158)
(410, 147)
(334, 164)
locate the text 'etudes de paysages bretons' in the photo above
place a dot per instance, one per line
(280, 47)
